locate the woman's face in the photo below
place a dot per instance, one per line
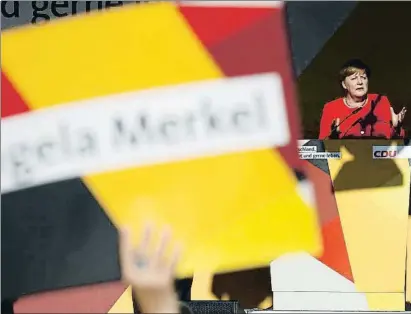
(356, 84)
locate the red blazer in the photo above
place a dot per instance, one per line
(348, 128)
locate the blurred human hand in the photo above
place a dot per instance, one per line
(150, 274)
(401, 115)
(397, 119)
(335, 129)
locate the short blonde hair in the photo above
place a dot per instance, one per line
(353, 66)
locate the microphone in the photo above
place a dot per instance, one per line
(335, 127)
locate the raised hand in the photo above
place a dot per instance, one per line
(150, 274)
(401, 115)
(397, 119)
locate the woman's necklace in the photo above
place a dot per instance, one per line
(354, 106)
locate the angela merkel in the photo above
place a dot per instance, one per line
(359, 114)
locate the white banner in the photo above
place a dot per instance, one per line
(324, 155)
(391, 152)
(161, 125)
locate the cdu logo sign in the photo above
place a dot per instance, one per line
(384, 152)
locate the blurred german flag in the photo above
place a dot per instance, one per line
(238, 206)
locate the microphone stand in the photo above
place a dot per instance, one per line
(335, 127)
(369, 119)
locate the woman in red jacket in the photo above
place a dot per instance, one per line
(359, 114)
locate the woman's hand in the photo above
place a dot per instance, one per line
(397, 119)
(150, 274)
(335, 129)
